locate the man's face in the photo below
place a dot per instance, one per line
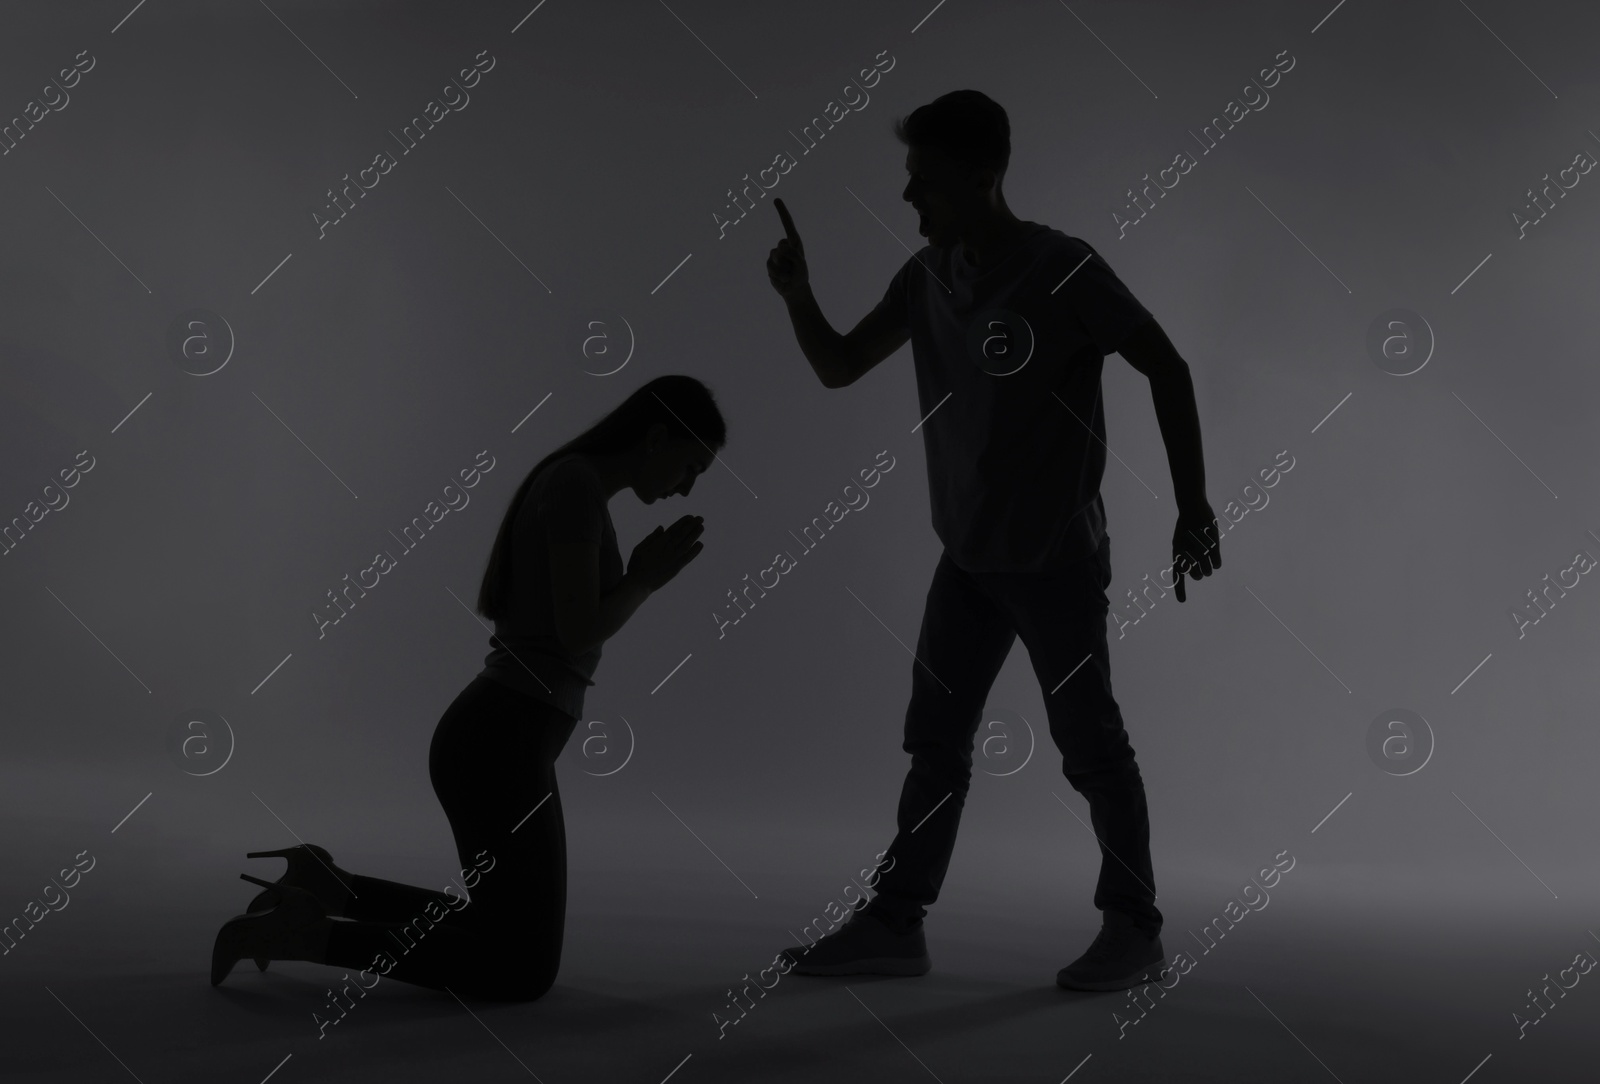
(943, 191)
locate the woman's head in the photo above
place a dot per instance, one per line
(670, 428)
(667, 463)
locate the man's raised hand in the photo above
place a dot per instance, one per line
(786, 265)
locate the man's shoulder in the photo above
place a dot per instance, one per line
(1059, 243)
(1071, 253)
(923, 258)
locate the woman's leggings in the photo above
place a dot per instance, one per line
(492, 763)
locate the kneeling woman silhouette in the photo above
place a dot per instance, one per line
(556, 590)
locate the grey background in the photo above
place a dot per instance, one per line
(408, 339)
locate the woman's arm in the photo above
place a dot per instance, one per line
(584, 618)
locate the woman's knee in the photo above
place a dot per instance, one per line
(517, 979)
(531, 988)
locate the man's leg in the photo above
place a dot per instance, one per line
(964, 641)
(1061, 618)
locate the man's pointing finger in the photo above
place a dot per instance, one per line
(788, 223)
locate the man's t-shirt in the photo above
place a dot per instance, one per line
(1008, 360)
(565, 503)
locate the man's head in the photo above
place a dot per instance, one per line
(958, 147)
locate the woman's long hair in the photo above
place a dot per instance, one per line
(682, 403)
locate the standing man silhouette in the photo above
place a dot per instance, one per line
(1009, 322)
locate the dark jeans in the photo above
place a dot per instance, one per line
(492, 764)
(969, 623)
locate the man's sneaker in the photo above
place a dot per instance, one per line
(1120, 957)
(862, 946)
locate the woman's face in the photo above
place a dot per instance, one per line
(672, 468)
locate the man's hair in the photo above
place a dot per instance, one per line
(968, 125)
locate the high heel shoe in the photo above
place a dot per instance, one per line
(309, 867)
(295, 928)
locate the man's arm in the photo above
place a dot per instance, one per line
(838, 360)
(1196, 541)
(841, 360)
(1148, 350)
